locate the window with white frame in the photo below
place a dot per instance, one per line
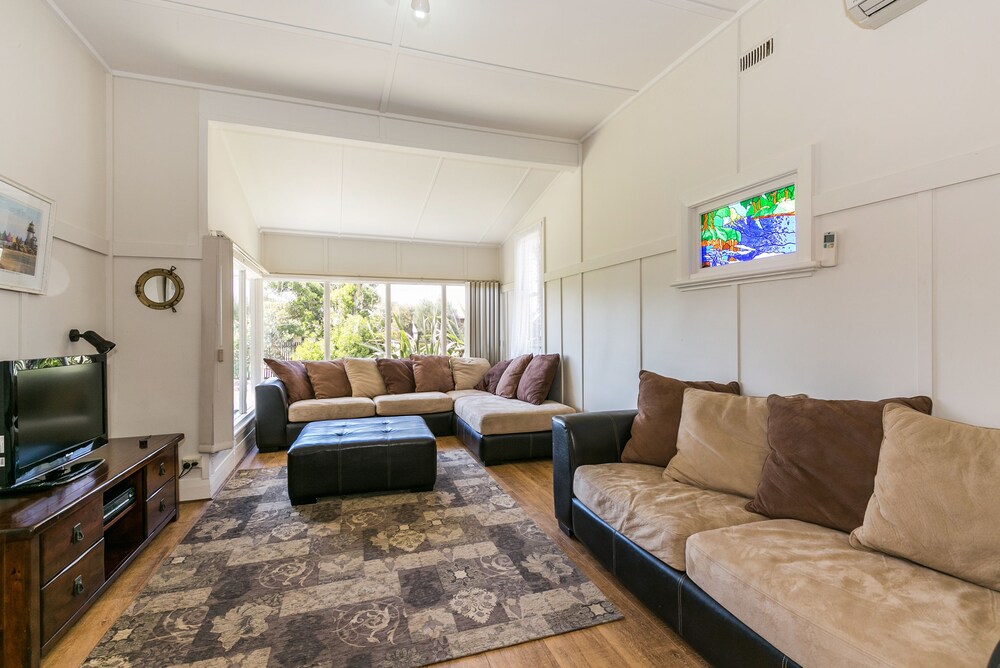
(318, 320)
(524, 306)
(246, 373)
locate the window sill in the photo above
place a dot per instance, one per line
(799, 270)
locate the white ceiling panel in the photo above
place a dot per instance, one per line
(162, 42)
(362, 19)
(289, 183)
(625, 44)
(531, 189)
(466, 200)
(498, 98)
(385, 191)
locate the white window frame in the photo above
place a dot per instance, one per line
(525, 288)
(797, 168)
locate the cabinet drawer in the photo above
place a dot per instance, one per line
(66, 594)
(63, 543)
(160, 506)
(159, 471)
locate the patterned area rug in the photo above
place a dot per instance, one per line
(363, 581)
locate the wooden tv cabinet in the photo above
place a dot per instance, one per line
(57, 554)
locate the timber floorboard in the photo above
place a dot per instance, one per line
(640, 639)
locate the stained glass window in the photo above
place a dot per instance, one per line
(760, 226)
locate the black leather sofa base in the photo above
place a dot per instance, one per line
(499, 448)
(335, 457)
(721, 638)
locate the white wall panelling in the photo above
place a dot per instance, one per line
(611, 336)
(965, 289)
(572, 340)
(553, 327)
(366, 258)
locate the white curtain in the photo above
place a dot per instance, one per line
(525, 300)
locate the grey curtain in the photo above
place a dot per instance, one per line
(484, 320)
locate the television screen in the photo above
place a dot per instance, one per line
(760, 226)
(60, 406)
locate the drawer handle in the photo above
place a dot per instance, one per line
(78, 587)
(163, 468)
(163, 505)
(77, 533)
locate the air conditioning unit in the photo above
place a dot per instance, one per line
(873, 13)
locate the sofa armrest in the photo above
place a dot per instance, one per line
(272, 415)
(995, 659)
(584, 438)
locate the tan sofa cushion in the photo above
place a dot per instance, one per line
(416, 403)
(365, 379)
(806, 591)
(937, 496)
(721, 442)
(489, 414)
(654, 430)
(457, 394)
(331, 409)
(468, 371)
(657, 514)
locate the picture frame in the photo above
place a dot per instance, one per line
(26, 221)
(794, 169)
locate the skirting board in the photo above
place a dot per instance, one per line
(221, 466)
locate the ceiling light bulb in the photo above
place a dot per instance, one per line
(421, 8)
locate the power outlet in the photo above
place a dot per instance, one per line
(190, 463)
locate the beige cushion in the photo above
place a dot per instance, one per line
(656, 514)
(456, 394)
(721, 442)
(490, 414)
(806, 591)
(416, 403)
(937, 496)
(366, 381)
(331, 409)
(468, 371)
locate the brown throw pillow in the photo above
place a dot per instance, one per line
(654, 431)
(329, 379)
(492, 377)
(397, 374)
(365, 379)
(294, 377)
(824, 453)
(432, 373)
(536, 381)
(507, 385)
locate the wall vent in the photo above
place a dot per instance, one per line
(756, 54)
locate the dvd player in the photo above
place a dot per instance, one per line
(115, 506)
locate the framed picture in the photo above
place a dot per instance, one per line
(752, 226)
(26, 220)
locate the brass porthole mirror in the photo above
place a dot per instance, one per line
(160, 289)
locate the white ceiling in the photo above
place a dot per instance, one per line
(304, 183)
(544, 68)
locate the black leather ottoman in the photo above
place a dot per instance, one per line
(334, 457)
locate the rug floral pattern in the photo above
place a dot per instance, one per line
(402, 579)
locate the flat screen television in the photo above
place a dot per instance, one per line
(54, 412)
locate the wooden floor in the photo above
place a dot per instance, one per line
(638, 640)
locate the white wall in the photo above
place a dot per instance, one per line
(907, 156)
(228, 209)
(53, 140)
(309, 255)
